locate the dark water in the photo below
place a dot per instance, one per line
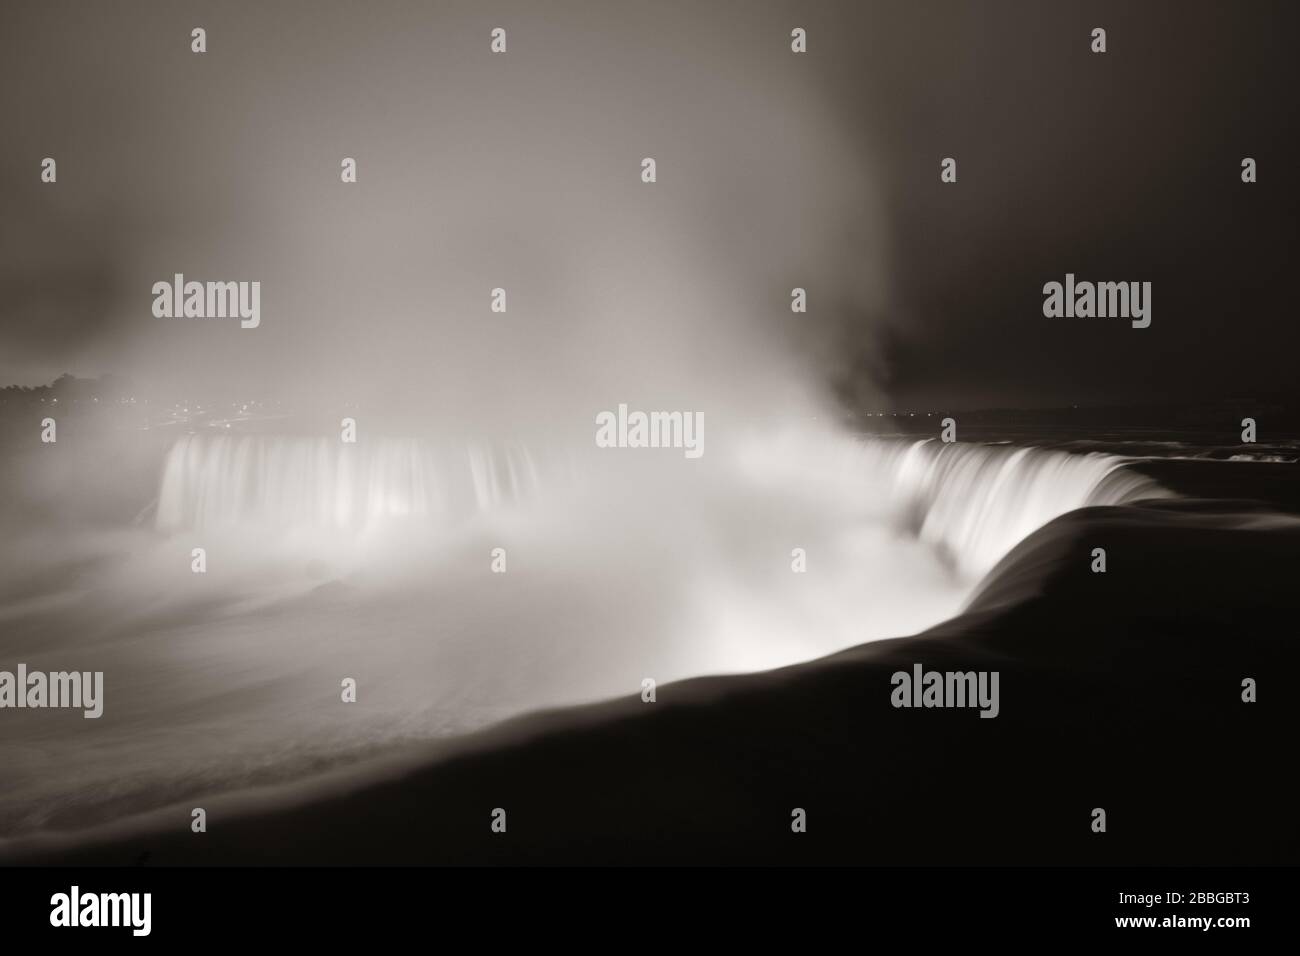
(229, 680)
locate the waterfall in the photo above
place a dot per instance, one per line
(970, 502)
(275, 481)
(975, 502)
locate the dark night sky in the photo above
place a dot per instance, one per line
(775, 170)
(1119, 166)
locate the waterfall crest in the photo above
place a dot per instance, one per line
(974, 502)
(277, 481)
(970, 502)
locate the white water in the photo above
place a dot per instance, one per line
(971, 502)
(974, 503)
(374, 562)
(224, 480)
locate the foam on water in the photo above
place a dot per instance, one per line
(374, 562)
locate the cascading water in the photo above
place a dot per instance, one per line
(972, 503)
(270, 481)
(378, 561)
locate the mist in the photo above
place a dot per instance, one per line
(375, 295)
(474, 555)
